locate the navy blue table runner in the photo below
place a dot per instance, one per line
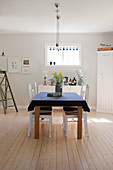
(67, 99)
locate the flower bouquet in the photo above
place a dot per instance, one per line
(58, 78)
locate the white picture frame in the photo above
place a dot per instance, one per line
(25, 70)
(26, 62)
(14, 65)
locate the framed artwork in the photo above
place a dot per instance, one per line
(26, 70)
(14, 64)
(26, 62)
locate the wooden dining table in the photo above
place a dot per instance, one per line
(67, 99)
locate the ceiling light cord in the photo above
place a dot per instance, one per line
(57, 24)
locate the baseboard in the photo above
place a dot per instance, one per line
(25, 107)
(19, 107)
(92, 107)
(103, 111)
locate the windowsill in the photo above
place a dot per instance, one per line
(62, 66)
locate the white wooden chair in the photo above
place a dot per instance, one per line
(71, 112)
(47, 108)
(45, 112)
(35, 88)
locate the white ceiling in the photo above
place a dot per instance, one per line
(77, 16)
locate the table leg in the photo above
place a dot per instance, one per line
(79, 125)
(37, 115)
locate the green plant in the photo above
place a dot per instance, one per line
(79, 73)
(58, 77)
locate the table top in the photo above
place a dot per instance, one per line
(67, 99)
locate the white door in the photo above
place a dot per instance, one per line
(105, 82)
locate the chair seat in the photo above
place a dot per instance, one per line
(70, 108)
(46, 108)
(71, 113)
(43, 113)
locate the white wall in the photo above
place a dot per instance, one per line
(33, 46)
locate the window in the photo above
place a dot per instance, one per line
(63, 55)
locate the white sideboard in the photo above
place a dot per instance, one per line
(67, 88)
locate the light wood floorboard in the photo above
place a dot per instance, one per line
(20, 152)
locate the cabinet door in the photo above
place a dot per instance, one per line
(42, 88)
(66, 89)
(105, 82)
(76, 89)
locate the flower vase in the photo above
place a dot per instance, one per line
(80, 82)
(58, 89)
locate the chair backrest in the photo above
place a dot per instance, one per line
(82, 92)
(87, 93)
(35, 88)
(31, 92)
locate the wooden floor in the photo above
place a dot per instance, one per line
(17, 151)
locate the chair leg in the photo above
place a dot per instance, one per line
(85, 124)
(63, 116)
(64, 120)
(30, 123)
(50, 126)
(33, 120)
(66, 125)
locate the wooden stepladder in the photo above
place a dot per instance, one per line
(6, 92)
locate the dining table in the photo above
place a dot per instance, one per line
(67, 99)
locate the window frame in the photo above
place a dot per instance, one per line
(64, 44)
